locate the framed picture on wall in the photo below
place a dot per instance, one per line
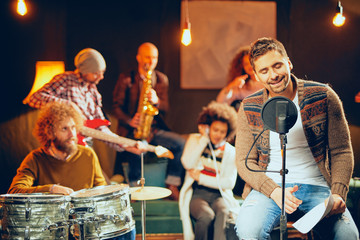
(219, 29)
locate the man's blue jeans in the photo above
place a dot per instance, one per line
(259, 215)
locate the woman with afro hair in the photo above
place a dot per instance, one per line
(209, 161)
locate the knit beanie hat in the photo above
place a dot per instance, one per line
(89, 60)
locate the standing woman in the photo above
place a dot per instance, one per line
(200, 196)
(241, 80)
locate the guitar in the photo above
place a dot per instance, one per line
(89, 130)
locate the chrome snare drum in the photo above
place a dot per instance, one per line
(101, 212)
(34, 216)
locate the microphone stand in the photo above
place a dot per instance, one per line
(284, 119)
(283, 172)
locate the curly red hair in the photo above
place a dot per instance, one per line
(50, 116)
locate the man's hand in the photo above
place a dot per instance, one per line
(291, 202)
(153, 97)
(135, 121)
(58, 189)
(139, 148)
(339, 205)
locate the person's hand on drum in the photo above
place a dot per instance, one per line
(58, 189)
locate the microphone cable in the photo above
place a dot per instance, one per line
(254, 170)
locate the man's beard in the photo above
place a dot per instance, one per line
(65, 146)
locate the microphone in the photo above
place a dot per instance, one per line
(279, 114)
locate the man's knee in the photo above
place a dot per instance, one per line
(346, 228)
(206, 217)
(247, 231)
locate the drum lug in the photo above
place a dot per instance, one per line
(82, 210)
(51, 227)
(124, 202)
(64, 234)
(117, 218)
(63, 209)
(27, 211)
(97, 227)
(27, 233)
(127, 219)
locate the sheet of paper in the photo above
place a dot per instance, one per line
(309, 220)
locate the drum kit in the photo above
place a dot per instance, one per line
(101, 212)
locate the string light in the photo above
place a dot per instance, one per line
(21, 7)
(339, 18)
(186, 35)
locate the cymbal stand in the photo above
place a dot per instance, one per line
(143, 203)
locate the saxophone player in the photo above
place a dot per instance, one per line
(126, 99)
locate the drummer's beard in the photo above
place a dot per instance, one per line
(68, 146)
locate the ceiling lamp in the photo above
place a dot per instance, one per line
(339, 18)
(21, 8)
(186, 35)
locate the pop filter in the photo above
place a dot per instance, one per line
(279, 114)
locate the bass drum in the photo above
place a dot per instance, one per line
(34, 216)
(101, 212)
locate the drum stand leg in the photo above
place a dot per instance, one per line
(81, 230)
(143, 222)
(143, 202)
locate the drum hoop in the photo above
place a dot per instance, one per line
(123, 191)
(33, 198)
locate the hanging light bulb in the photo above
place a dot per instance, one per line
(186, 35)
(21, 7)
(339, 18)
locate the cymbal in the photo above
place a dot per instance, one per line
(149, 193)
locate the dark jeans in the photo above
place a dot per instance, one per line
(128, 236)
(170, 140)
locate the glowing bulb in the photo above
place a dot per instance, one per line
(338, 20)
(186, 36)
(21, 8)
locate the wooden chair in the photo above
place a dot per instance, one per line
(292, 233)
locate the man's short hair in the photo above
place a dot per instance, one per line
(263, 45)
(50, 116)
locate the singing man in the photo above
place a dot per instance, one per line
(319, 154)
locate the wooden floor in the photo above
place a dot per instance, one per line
(161, 236)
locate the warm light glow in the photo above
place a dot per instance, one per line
(338, 20)
(45, 71)
(186, 37)
(21, 7)
(357, 97)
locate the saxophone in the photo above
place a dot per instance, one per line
(146, 110)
